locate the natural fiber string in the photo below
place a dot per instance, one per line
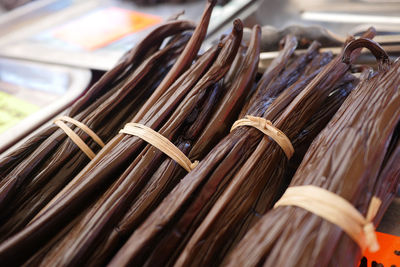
(75, 138)
(268, 129)
(160, 142)
(336, 210)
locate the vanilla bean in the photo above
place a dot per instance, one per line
(227, 111)
(273, 70)
(347, 159)
(184, 61)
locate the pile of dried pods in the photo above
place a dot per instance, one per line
(34, 173)
(133, 205)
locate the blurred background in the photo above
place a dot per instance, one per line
(51, 51)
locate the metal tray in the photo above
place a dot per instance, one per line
(37, 31)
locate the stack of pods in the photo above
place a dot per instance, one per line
(195, 156)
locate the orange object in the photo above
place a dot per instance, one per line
(389, 252)
(104, 26)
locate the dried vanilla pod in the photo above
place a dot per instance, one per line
(237, 65)
(346, 158)
(245, 69)
(273, 70)
(319, 121)
(184, 61)
(389, 178)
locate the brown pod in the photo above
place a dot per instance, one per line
(227, 110)
(347, 158)
(184, 61)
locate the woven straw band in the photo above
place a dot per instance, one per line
(75, 138)
(157, 140)
(268, 129)
(336, 210)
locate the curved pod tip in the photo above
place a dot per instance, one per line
(375, 48)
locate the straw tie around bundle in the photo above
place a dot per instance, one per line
(157, 140)
(266, 127)
(75, 138)
(336, 210)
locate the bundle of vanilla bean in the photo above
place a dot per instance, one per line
(151, 175)
(238, 169)
(35, 172)
(179, 110)
(186, 188)
(81, 239)
(357, 158)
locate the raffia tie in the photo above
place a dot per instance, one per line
(266, 127)
(336, 210)
(75, 138)
(160, 142)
